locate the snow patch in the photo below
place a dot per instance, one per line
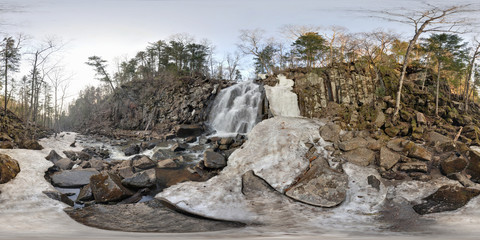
(283, 102)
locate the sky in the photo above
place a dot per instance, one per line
(118, 29)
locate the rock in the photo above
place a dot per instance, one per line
(31, 144)
(59, 197)
(132, 150)
(392, 131)
(85, 194)
(213, 159)
(391, 175)
(374, 182)
(107, 187)
(71, 154)
(73, 144)
(53, 156)
(168, 163)
(183, 131)
(413, 167)
(320, 186)
(167, 177)
(161, 154)
(142, 179)
(464, 180)
(226, 141)
(96, 163)
(73, 178)
(380, 119)
(360, 156)
(330, 132)
(473, 168)
(374, 145)
(64, 164)
(435, 138)
(396, 144)
(446, 198)
(125, 172)
(388, 158)
(346, 136)
(9, 168)
(352, 144)
(178, 147)
(417, 151)
(421, 120)
(136, 197)
(190, 139)
(420, 176)
(7, 145)
(143, 163)
(83, 156)
(151, 216)
(453, 164)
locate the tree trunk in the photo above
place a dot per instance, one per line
(438, 89)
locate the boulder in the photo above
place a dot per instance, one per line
(53, 156)
(59, 197)
(125, 172)
(352, 144)
(167, 177)
(168, 163)
(71, 154)
(213, 159)
(473, 168)
(320, 186)
(7, 145)
(142, 179)
(453, 164)
(226, 141)
(64, 164)
(96, 163)
(85, 194)
(132, 150)
(184, 130)
(360, 156)
(413, 167)
(107, 187)
(417, 151)
(388, 158)
(178, 147)
(330, 132)
(161, 154)
(396, 144)
(143, 163)
(136, 197)
(31, 144)
(83, 156)
(446, 198)
(73, 178)
(9, 168)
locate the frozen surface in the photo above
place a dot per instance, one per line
(283, 102)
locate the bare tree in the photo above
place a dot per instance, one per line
(470, 69)
(335, 33)
(57, 79)
(293, 32)
(233, 61)
(430, 18)
(254, 42)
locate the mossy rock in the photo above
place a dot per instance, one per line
(9, 168)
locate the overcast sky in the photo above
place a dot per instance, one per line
(118, 28)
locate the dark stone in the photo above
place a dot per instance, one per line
(226, 141)
(161, 154)
(352, 144)
(191, 139)
(132, 150)
(374, 182)
(73, 144)
(391, 175)
(453, 164)
(183, 131)
(85, 194)
(31, 144)
(473, 168)
(53, 156)
(71, 154)
(73, 178)
(446, 198)
(107, 187)
(7, 145)
(151, 216)
(213, 159)
(64, 164)
(83, 156)
(96, 163)
(142, 179)
(178, 147)
(167, 177)
(136, 197)
(143, 163)
(330, 132)
(9, 168)
(59, 197)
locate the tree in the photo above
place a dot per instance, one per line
(309, 46)
(470, 70)
(100, 66)
(427, 19)
(446, 50)
(232, 65)
(10, 58)
(253, 42)
(58, 79)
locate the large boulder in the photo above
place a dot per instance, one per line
(388, 158)
(9, 168)
(352, 144)
(184, 130)
(31, 144)
(107, 187)
(64, 164)
(473, 168)
(330, 132)
(142, 179)
(453, 164)
(73, 178)
(53, 156)
(360, 156)
(320, 186)
(213, 159)
(446, 198)
(167, 177)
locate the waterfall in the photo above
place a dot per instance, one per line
(236, 109)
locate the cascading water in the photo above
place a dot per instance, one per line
(236, 109)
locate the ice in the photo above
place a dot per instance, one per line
(283, 102)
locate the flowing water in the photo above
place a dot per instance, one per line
(236, 109)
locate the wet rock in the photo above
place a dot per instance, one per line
(9, 168)
(107, 187)
(330, 132)
(226, 141)
(360, 156)
(453, 164)
(374, 182)
(413, 167)
(71, 154)
(64, 164)
(161, 154)
(73, 144)
(53, 156)
(143, 163)
(320, 186)
(142, 179)
(190, 139)
(85, 194)
(183, 131)
(73, 178)
(132, 150)
(136, 197)
(168, 163)
(151, 216)
(446, 198)
(388, 158)
(59, 197)
(352, 144)
(213, 159)
(178, 147)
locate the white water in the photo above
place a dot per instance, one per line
(236, 109)
(282, 101)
